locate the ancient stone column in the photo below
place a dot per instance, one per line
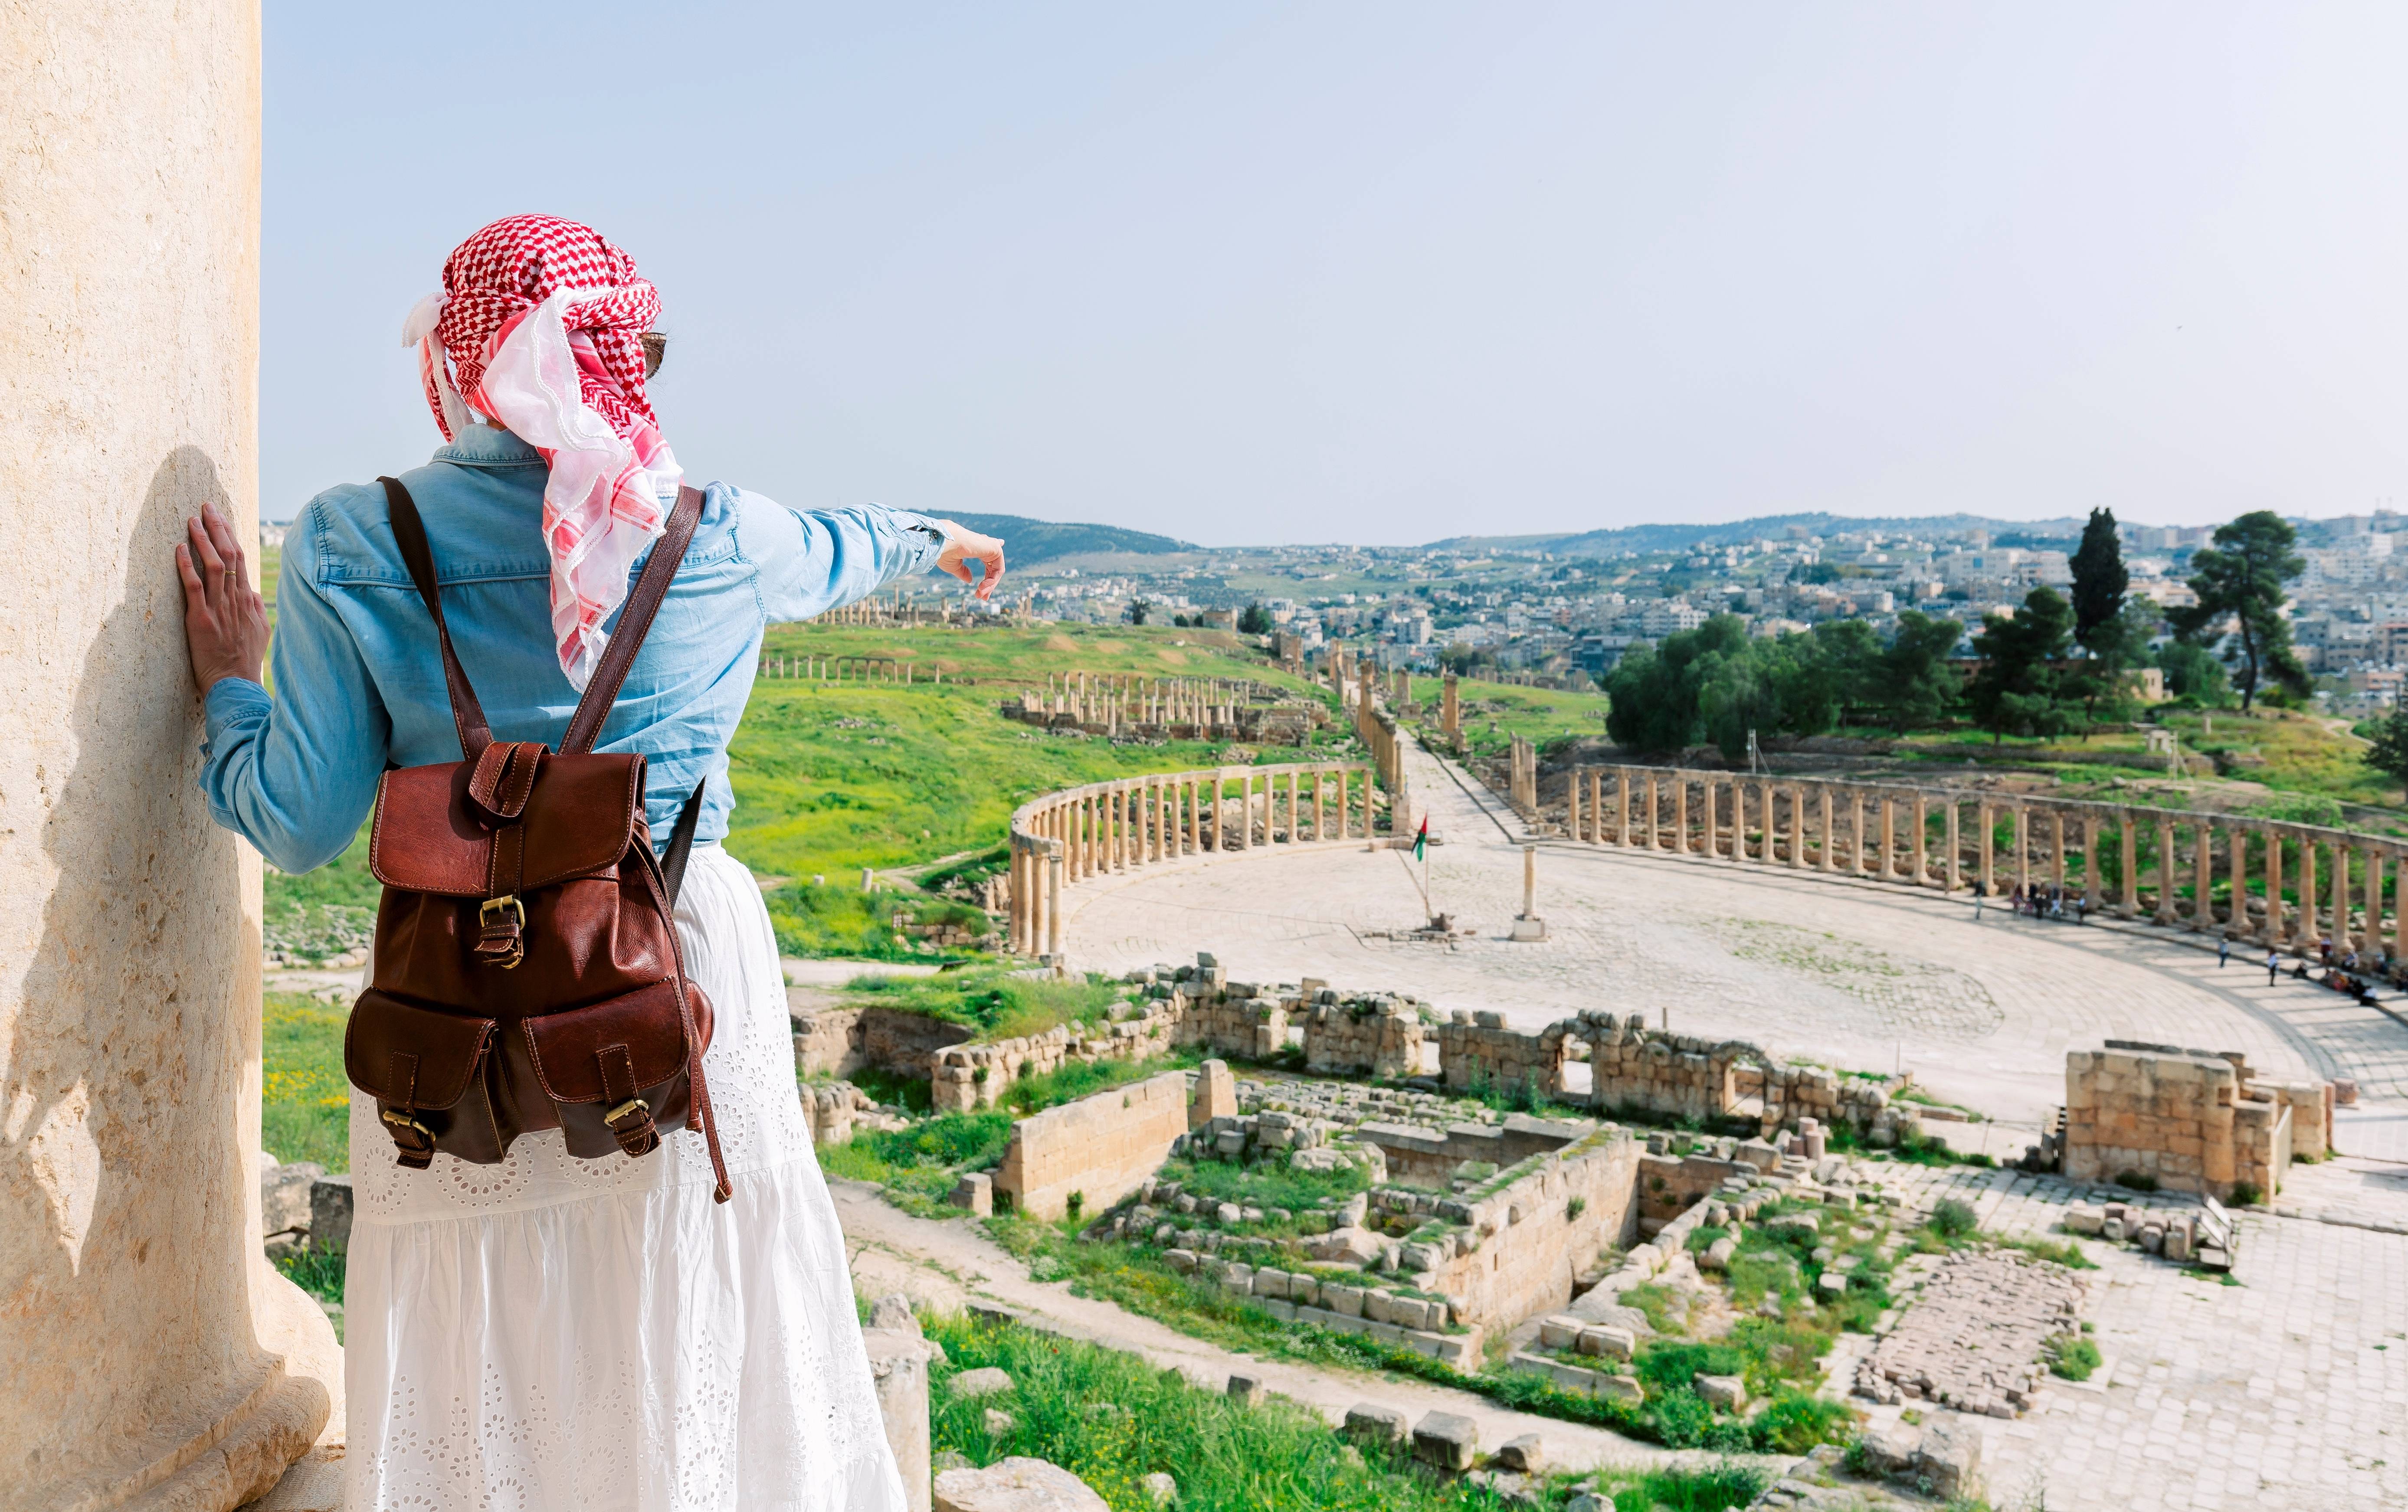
(1921, 862)
(1989, 843)
(2273, 933)
(1857, 831)
(1053, 903)
(1572, 804)
(1653, 842)
(2056, 849)
(2023, 850)
(2128, 839)
(1595, 806)
(2202, 908)
(2237, 853)
(1451, 714)
(1955, 848)
(2166, 873)
(1797, 827)
(152, 1356)
(2399, 907)
(1680, 815)
(2371, 938)
(1823, 851)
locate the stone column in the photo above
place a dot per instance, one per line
(1956, 846)
(2056, 849)
(2370, 936)
(2273, 933)
(2399, 907)
(1622, 805)
(1823, 851)
(1680, 815)
(2023, 850)
(1922, 838)
(1053, 903)
(2304, 928)
(1988, 819)
(2166, 874)
(1451, 714)
(2128, 841)
(2202, 911)
(1597, 805)
(1572, 804)
(153, 1357)
(2237, 853)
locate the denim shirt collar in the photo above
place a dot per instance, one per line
(482, 446)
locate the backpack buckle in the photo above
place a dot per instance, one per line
(413, 1139)
(501, 940)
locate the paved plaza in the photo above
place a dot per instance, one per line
(1858, 974)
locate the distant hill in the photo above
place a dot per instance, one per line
(1027, 542)
(1647, 538)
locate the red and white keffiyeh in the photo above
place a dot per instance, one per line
(540, 320)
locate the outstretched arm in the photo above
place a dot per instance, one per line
(810, 562)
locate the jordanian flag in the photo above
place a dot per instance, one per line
(1420, 841)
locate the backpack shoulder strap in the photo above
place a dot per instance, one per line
(409, 531)
(634, 622)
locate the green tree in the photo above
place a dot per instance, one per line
(2018, 687)
(1910, 679)
(1139, 609)
(2193, 672)
(1253, 620)
(2099, 583)
(1652, 692)
(2238, 581)
(2387, 749)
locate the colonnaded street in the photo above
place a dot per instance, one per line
(2289, 1390)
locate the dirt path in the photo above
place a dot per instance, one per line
(949, 1264)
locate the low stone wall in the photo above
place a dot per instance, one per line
(967, 1076)
(1363, 1037)
(1671, 1185)
(839, 1041)
(2189, 1119)
(1102, 1148)
(1418, 1156)
(1533, 1238)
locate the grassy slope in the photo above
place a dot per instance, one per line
(1539, 713)
(305, 1099)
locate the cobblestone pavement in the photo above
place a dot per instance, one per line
(2287, 1391)
(1858, 974)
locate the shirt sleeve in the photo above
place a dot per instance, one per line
(810, 562)
(295, 772)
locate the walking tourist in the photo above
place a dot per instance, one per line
(2273, 965)
(552, 1331)
(2223, 950)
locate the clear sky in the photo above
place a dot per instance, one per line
(1388, 272)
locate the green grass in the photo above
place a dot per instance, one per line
(1265, 1184)
(1111, 1420)
(1084, 1078)
(993, 1001)
(918, 1166)
(306, 1098)
(1541, 715)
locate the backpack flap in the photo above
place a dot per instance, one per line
(417, 1063)
(622, 1053)
(579, 816)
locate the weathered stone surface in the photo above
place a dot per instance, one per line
(898, 1369)
(1017, 1484)
(1447, 1440)
(1950, 1458)
(1368, 1422)
(1215, 1095)
(1246, 1390)
(330, 1213)
(893, 1313)
(1000, 1423)
(987, 1380)
(1160, 1489)
(1728, 1392)
(1526, 1454)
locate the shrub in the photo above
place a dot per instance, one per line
(1953, 1219)
(1574, 1208)
(2137, 1181)
(2245, 1194)
(1795, 1420)
(2073, 1358)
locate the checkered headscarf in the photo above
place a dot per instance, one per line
(539, 326)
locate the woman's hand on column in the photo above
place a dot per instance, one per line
(225, 622)
(964, 547)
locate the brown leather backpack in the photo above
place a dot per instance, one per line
(527, 969)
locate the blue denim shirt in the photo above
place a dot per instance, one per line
(359, 679)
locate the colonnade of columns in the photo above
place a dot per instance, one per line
(844, 669)
(1103, 827)
(1103, 698)
(2276, 884)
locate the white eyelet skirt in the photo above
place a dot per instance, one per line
(555, 1334)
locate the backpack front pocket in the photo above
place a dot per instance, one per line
(428, 1071)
